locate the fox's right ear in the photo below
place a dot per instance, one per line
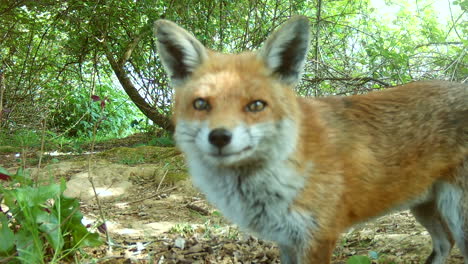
(180, 51)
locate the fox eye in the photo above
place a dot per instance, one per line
(201, 104)
(256, 106)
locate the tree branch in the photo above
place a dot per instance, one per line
(151, 112)
(316, 42)
(362, 80)
(2, 89)
(438, 44)
(131, 46)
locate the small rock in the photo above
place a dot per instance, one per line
(179, 243)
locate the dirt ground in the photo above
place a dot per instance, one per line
(154, 215)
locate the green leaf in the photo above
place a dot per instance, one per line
(90, 240)
(359, 260)
(69, 208)
(9, 198)
(29, 248)
(37, 196)
(49, 224)
(4, 171)
(63, 186)
(7, 236)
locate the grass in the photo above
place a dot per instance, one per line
(213, 226)
(21, 138)
(9, 149)
(133, 160)
(31, 139)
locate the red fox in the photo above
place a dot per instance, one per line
(300, 171)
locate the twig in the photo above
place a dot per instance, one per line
(152, 196)
(162, 179)
(438, 44)
(41, 153)
(90, 179)
(198, 209)
(316, 43)
(23, 154)
(358, 79)
(2, 89)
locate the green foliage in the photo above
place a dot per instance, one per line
(162, 142)
(359, 260)
(30, 140)
(110, 109)
(184, 229)
(42, 225)
(23, 138)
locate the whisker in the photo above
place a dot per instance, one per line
(186, 141)
(189, 131)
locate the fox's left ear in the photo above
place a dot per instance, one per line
(285, 51)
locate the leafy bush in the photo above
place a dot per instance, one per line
(38, 224)
(78, 112)
(21, 138)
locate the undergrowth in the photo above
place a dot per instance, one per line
(38, 224)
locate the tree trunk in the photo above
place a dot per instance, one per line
(119, 70)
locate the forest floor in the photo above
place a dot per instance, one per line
(154, 215)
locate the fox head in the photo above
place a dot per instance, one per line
(235, 109)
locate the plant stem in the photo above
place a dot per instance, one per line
(90, 179)
(41, 152)
(2, 89)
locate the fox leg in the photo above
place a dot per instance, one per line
(442, 242)
(288, 255)
(461, 239)
(320, 252)
(452, 201)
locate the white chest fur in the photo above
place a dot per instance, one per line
(258, 200)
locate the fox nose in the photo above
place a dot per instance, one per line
(220, 137)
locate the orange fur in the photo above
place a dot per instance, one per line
(355, 157)
(381, 150)
(371, 153)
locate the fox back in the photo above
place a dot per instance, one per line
(300, 171)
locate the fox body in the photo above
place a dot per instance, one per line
(301, 171)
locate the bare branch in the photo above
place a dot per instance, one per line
(362, 80)
(438, 44)
(131, 46)
(2, 89)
